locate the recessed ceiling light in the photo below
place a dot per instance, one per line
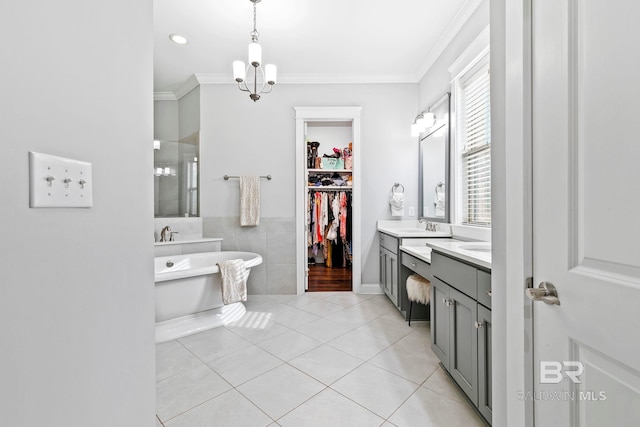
(178, 39)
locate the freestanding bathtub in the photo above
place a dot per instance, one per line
(189, 294)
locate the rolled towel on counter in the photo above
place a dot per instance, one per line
(234, 280)
(418, 289)
(397, 204)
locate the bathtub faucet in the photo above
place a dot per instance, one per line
(163, 237)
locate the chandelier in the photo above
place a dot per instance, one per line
(242, 74)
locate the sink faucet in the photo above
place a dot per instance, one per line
(430, 226)
(171, 235)
(163, 237)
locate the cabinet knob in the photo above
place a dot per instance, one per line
(413, 264)
(489, 293)
(478, 325)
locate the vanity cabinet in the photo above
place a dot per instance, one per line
(461, 326)
(389, 267)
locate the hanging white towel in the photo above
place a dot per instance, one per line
(249, 200)
(439, 202)
(234, 280)
(397, 204)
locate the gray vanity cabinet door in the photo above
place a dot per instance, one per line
(464, 343)
(440, 314)
(392, 276)
(484, 362)
(389, 274)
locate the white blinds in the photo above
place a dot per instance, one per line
(476, 147)
(192, 188)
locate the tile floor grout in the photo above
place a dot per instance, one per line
(390, 342)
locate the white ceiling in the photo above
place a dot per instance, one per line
(309, 40)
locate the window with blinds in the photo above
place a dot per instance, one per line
(475, 134)
(192, 188)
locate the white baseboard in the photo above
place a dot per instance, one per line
(371, 289)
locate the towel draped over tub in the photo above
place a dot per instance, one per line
(234, 280)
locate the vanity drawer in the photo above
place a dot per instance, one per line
(389, 242)
(455, 273)
(484, 288)
(416, 265)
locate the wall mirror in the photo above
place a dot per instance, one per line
(434, 164)
(176, 177)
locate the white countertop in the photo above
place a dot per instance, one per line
(411, 228)
(421, 252)
(478, 253)
(182, 242)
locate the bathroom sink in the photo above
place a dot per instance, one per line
(477, 247)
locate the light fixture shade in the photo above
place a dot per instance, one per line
(158, 171)
(255, 54)
(156, 144)
(421, 123)
(238, 71)
(429, 119)
(270, 72)
(415, 130)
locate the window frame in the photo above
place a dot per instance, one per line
(470, 62)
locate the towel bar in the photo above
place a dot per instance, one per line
(396, 185)
(227, 177)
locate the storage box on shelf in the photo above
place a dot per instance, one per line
(331, 163)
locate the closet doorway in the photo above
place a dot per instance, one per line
(327, 199)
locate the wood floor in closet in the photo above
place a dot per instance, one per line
(323, 279)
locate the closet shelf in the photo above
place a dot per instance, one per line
(330, 170)
(330, 187)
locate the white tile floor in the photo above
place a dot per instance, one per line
(319, 359)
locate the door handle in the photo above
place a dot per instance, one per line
(545, 292)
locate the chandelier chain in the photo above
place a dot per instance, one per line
(254, 34)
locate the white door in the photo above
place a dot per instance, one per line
(586, 214)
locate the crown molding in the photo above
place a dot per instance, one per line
(164, 96)
(446, 37)
(224, 78)
(227, 79)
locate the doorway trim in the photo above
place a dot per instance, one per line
(319, 114)
(512, 228)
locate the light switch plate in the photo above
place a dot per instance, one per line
(57, 182)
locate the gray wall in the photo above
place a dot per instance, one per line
(240, 137)
(76, 293)
(189, 113)
(437, 80)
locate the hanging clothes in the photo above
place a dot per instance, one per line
(329, 226)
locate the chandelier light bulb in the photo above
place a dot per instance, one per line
(238, 71)
(255, 54)
(270, 72)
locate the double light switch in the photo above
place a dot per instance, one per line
(59, 182)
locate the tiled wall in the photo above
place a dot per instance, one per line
(169, 249)
(274, 239)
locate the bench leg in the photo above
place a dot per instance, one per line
(410, 307)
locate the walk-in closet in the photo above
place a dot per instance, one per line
(328, 184)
